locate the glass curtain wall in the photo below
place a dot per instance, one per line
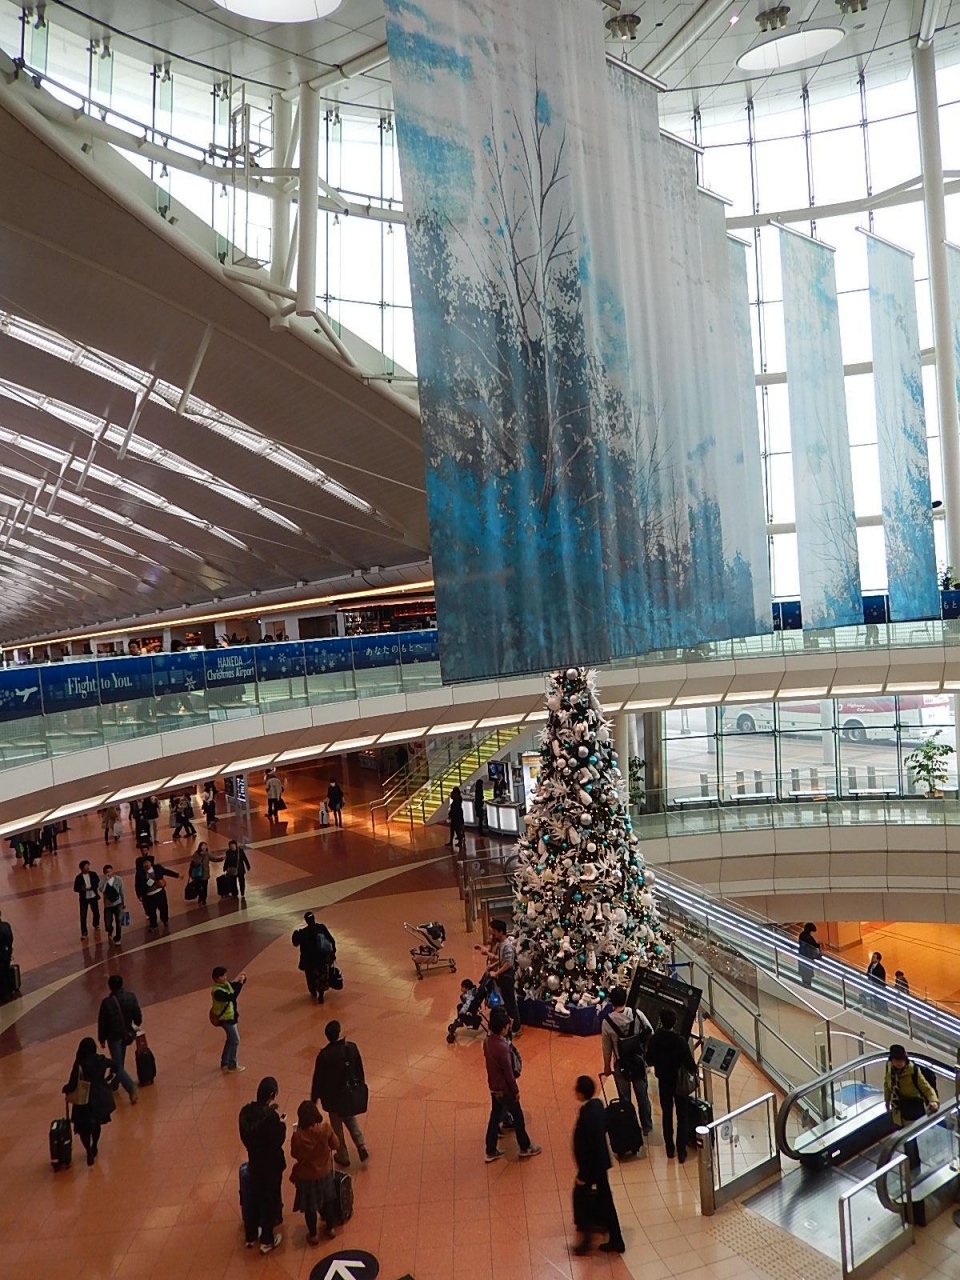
(749, 753)
(363, 281)
(829, 143)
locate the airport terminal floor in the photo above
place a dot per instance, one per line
(162, 1197)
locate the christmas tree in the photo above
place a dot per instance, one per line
(585, 914)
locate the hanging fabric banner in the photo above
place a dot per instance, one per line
(751, 510)
(901, 435)
(571, 450)
(822, 480)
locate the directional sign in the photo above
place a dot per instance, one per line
(346, 1264)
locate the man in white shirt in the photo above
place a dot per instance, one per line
(620, 1028)
(86, 887)
(113, 903)
(502, 966)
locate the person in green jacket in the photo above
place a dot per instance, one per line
(908, 1095)
(224, 1013)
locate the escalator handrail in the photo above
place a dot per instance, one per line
(892, 1146)
(855, 1064)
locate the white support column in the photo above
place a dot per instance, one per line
(280, 217)
(307, 193)
(623, 754)
(928, 122)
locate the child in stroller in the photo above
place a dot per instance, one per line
(470, 1013)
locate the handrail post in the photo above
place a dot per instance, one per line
(708, 1200)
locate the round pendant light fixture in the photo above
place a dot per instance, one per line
(280, 10)
(774, 50)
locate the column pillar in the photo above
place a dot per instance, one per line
(280, 220)
(928, 123)
(307, 192)
(653, 754)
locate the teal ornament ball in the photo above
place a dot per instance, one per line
(658, 950)
(592, 760)
(623, 957)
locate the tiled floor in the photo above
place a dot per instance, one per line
(162, 1199)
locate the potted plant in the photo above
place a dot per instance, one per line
(928, 764)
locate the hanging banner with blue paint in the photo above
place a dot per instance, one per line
(20, 693)
(571, 444)
(822, 479)
(749, 472)
(901, 435)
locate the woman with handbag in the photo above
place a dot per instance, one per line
(89, 1092)
(313, 1147)
(198, 875)
(593, 1206)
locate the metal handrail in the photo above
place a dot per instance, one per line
(910, 1133)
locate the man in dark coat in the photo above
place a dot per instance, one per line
(318, 950)
(6, 959)
(263, 1133)
(593, 1207)
(667, 1052)
(117, 1023)
(339, 1087)
(86, 886)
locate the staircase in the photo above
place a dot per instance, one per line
(424, 802)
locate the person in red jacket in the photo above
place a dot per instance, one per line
(504, 1090)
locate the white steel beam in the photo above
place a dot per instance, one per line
(928, 23)
(187, 391)
(691, 31)
(143, 395)
(307, 194)
(280, 211)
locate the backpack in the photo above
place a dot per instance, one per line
(111, 894)
(515, 1059)
(631, 1048)
(928, 1074)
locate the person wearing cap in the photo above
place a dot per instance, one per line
(908, 1095)
(318, 950)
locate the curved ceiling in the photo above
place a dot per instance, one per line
(118, 494)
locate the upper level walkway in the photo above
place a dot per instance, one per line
(115, 719)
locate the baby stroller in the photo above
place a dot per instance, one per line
(431, 938)
(470, 1010)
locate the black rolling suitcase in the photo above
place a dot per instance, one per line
(699, 1112)
(623, 1127)
(13, 984)
(61, 1142)
(343, 1192)
(227, 886)
(146, 1062)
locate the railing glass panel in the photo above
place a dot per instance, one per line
(869, 1238)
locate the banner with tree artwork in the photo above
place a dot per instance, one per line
(581, 431)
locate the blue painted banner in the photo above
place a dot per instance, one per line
(326, 656)
(178, 673)
(232, 666)
(123, 679)
(823, 483)
(419, 646)
(376, 651)
(572, 444)
(69, 687)
(901, 435)
(279, 661)
(20, 693)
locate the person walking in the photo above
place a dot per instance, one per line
(263, 1133)
(901, 983)
(114, 904)
(667, 1052)
(6, 959)
(455, 818)
(118, 1022)
(86, 886)
(877, 974)
(209, 806)
(338, 1085)
(623, 1039)
(133, 814)
(313, 1147)
(502, 967)
(318, 951)
(274, 789)
(88, 1090)
(184, 813)
(479, 806)
(110, 819)
(335, 802)
(908, 1095)
(224, 1013)
(504, 1090)
(150, 811)
(593, 1206)
(198, 872)
(809, 951)
(236, 864)
(150, 885)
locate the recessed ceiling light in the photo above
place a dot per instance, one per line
(777, 49)
(734, 19)
(280, 10)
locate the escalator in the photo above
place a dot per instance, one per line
(839, 1132)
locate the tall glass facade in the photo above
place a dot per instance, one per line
(823, 146)
(855, 746)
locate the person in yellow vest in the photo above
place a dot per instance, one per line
(908, 1095)
(223, 1013)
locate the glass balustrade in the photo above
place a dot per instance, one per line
(869, 1236)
